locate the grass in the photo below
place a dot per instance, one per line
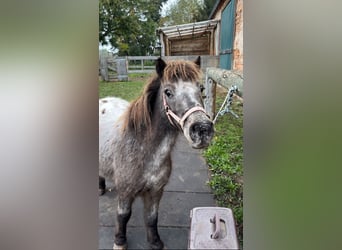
(126, 90)
(139, 76)
(225, 160)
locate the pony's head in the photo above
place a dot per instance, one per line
(182, 100)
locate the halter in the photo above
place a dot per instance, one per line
(179, 120)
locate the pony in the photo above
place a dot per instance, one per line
(136, 140)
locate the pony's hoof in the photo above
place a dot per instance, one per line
(158, 247)
(123, 247)
(102, 191)
(164, 248)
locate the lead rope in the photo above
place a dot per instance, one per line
(225, 107)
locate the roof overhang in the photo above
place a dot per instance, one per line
(186, 30)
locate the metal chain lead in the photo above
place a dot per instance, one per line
(227, 103)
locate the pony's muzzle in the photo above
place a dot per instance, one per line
(201, 133)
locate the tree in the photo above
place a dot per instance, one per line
(208, 7)
(182, 11)
(129, 26)
(187, 11)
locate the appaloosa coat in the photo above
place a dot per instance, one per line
(136, 140)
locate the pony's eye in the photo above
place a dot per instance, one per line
(202, 88)
(168, 93)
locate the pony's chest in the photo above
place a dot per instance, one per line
(160, 155)
(158, 165)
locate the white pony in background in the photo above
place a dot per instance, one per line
(110, 109)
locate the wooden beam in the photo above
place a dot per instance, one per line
(179, 32)
(210, 97)
(162, 49)
(226, 78)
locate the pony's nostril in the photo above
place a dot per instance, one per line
(201, 129)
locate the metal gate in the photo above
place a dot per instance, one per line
(227, 35)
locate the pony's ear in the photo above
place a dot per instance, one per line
(198, 61)
(160, 66)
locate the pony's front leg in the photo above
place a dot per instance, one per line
(102, 185)
(123, 214)
(151, 205)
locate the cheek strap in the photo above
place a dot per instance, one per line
(176, 118)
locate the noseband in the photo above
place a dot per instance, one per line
(176, 118)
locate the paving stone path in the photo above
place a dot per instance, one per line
(186, 189)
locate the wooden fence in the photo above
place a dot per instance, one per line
(141, 64)
(113, 69)
(146, 64)
(117, 69)
(225, 78)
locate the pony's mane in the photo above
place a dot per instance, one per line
(139, 114)
(181, 69)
